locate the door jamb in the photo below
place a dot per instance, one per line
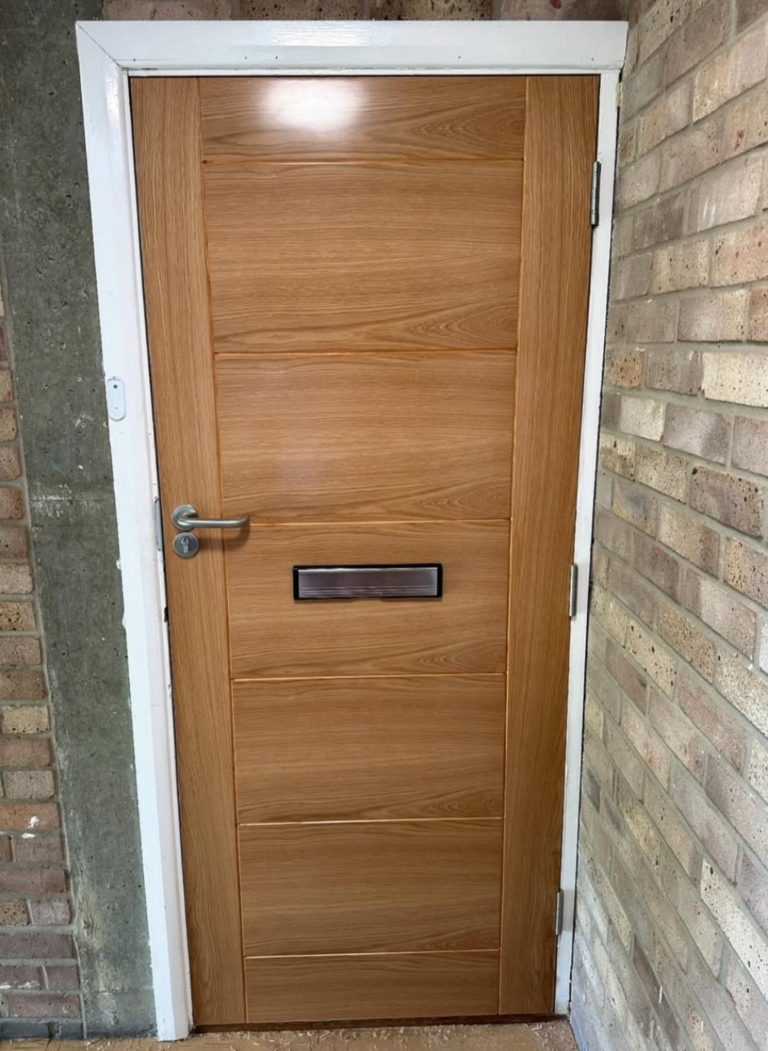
(111, 52)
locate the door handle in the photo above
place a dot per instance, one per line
(184, 517)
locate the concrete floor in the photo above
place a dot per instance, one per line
(533, 1036)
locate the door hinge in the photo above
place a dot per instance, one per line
(158, 526)
(594, 195)
(573, 588)
(559, 901)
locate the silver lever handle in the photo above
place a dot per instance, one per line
(184, 517)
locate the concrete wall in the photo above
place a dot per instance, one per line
(51, 329)
(672, 940)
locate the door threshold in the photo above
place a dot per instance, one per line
(378, 1023)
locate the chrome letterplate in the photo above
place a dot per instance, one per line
(349, 582)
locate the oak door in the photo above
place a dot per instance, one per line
(366, 306)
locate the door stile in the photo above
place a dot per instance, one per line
(166, 122)
(560, 137)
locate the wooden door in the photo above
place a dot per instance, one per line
(366, 305)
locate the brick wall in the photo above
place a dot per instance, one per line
(672, 926)
(38, 973)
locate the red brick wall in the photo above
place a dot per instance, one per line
(38, 973)
(672, 927)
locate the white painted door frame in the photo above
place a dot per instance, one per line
(110, 53)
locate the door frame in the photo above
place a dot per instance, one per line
(109, 54)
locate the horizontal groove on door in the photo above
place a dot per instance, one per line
(390, 748)
(310, 256)
(245, 355)
(368, 986)
(377, 521)
(301, 436)
(322, 678)
(274, 636)
(360, 821)
(433, 118)
(344, 887)
(233, 162)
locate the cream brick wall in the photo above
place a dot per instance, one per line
(674, 834)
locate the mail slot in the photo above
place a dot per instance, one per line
(350, 582)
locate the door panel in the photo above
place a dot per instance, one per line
(301, 438)
(374, 985)
(273, 636)
(323, 256)
(429, 746)
(370, 886)
(366, 310)
(353, 118)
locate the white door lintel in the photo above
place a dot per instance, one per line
(109, 53)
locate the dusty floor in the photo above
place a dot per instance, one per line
(534, 1036)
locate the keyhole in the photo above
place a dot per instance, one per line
(186, 545)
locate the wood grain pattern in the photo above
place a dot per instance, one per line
(165, 121)
(373, 244)
(388, 985)
(559, 150)
(315, 749)
(367, 436)
(327, 118)
(274, 636)
(338, 887)
(376, 256)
